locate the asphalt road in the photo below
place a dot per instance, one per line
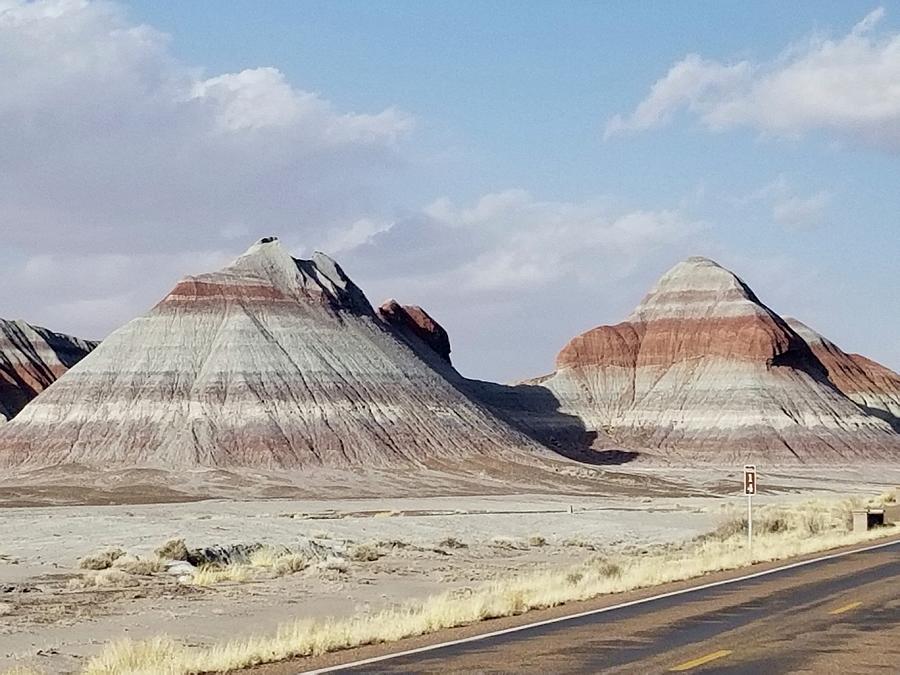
(835, 616)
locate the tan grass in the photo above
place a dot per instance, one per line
(101, 560)
(365, 553)
(210, 575)
(23, 670)
(783, 532)
(139, 566)
(174, 549)
(266, 560)
(97, 579)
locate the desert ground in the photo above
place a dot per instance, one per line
(359, 555)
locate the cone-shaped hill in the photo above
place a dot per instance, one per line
(271, 362)
(31, 359)
(702, 370)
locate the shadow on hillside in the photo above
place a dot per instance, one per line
(535, 411)
(883, 415)
(530, 409)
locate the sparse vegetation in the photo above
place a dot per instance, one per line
(783, 532)
(210, 575)
(452, 543)
(509, 543)
(536, 541)
(265, 560)
(174, 549)
(101, 560)
(106, 578)
(365, 553)
(139, 566)
(23, 670)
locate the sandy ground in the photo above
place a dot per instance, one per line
(44, 623)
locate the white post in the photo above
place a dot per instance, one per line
(750, 526)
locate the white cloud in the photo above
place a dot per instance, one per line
(513, 277)
(788, 206)
(117, 156)
(507, 240)
(109, 141)
(694, 83)
(849, 85)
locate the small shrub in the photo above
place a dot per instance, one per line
(290, 564)
(608, 570)
(365, 553)
(101, 560)
(139, 566)
(174, 549)
(536, 541)
(107, 578)
(574, 578)
(452, 543)
(210, 575)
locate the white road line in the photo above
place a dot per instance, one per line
(602, 610)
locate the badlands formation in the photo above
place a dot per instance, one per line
(870, 385)
(270, 363)
(703, 371)
(31, 359)
(276, 363)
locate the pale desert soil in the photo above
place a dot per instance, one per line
(43, 623)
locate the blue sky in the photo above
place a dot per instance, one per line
(472, 162)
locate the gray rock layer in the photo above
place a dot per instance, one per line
(31, 359)
(270, 363)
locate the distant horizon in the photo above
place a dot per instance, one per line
(520, 195)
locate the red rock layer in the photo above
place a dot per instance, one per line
(271, 362)
(419, 323)
(31, 359)
(702, 369)
(871, 385)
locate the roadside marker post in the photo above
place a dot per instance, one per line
(750, 490)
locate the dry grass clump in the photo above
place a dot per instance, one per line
(782, 532)
(889, 497)
(536, 541)
(174, 549)
(452, 543)
(210, 575)
(365, 553)
(280, 561)
(101, 560)
(509, 543)
(290, 564)
(265, 561)
(139, 566)
(100, 579)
